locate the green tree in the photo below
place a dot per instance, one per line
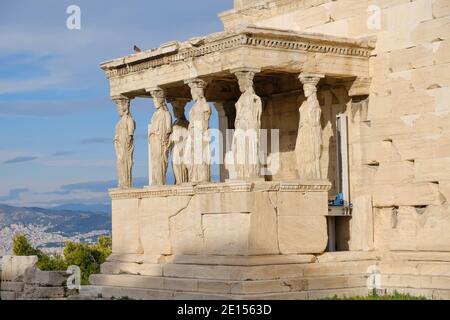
(21, 246)
(87, 256)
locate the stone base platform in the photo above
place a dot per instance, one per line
(274, 277)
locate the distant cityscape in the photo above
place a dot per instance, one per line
(49, 229)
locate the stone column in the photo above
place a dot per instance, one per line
(159, 132)
(308, 147)
(246, 139)
(178, 141)
(124, 142)
(199, 150)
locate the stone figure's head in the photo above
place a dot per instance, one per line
(159, 99)
(122, 105)
(197, 87)
(245, 80)
(310, 82)
(309, 89)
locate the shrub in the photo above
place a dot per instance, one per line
(87, 256)
(21, 246)
(46, 262)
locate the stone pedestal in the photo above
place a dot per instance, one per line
(232, 218)
(213, 238)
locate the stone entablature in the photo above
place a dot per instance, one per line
(250, 37)
(191, 189)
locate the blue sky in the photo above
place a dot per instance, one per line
(57, 120)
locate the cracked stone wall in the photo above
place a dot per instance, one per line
(400, 142)
(222, 223)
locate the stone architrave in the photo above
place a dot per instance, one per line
(124, 142)
(178, 140)
(309, 138)
(246, 139)
(198, 148)
(159, 138)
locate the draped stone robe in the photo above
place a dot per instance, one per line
(124, 147)
(199, 152)
(159, 138)
(309, 140)
(246, 142)
(178, 141)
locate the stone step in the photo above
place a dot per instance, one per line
(238, 272)
(264, 272)
(415, 268)
(154, 294)
(9, 295)
(345, 256)
(11, 286)
(415, 281)
(90, 291)
(241, 260)
(435, 294)
(340, 293)
(338, 268)
(230, 287)
(416, 256)
(147, 269)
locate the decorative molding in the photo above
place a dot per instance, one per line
(196, 83)
(119, 98)
(245, 70)
(225, 187)
(157, 93)
(251, 38)
(310, 78)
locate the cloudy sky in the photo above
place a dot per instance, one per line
(57, 121)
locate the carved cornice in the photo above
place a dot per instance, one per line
(226, 187)
(249, 37)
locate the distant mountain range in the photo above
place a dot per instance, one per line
(50, 228)
(97, 207)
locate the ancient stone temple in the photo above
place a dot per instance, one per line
(333, 150)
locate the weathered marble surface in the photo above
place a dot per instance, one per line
(223, 218)
(308, 147)
(198, 147)
(178, 142)
(246, 139)
(159, 138)
(124, 143)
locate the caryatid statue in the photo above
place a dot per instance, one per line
(198, 153)
(178, 140)
(159, 138)
(124, 142)
(308, 147)
(246, 139)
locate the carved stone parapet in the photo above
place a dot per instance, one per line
(225, 187)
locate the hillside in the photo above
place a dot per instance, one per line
(49, 228)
